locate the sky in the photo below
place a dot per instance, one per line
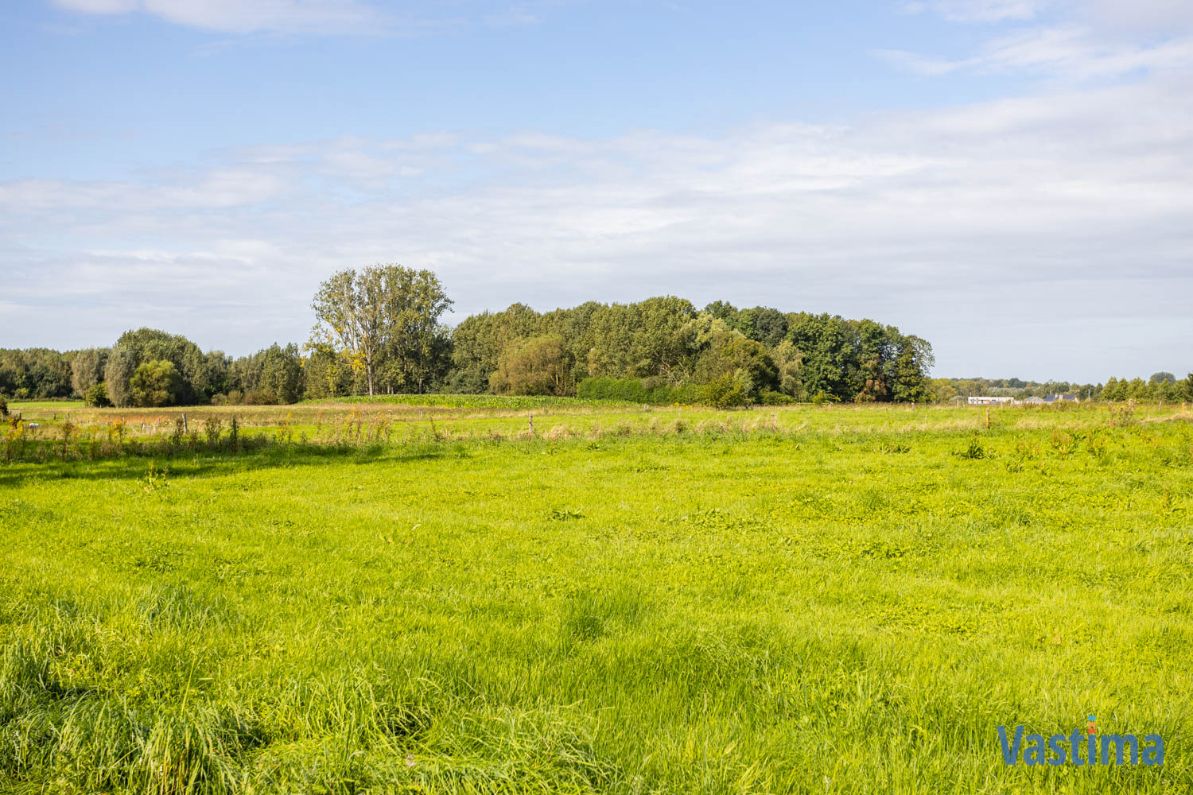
(1010, 179)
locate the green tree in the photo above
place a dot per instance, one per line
(535, 366)
(478, 342)
(96, 396)
(34, 373)
(789, 365)
(87, 369)
(912, 363)
(199, 374)
(649, 338)
(384, 315)
(830, 355)
(762, 324)
(156, 383)
(731, 362)
(269, 377)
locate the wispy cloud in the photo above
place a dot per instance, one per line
(1049, 228)
(976, 10)
(247, 16)
(1048, 215)
(1056, 52)
(320, 17)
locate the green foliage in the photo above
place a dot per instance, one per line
(535, 366)
(378, 331)
(769, 397)
(478, 341)
(637, 390)
(96, 396)
(156, 383)
(728, 362)
(1160, 387)
(200, 375)
(269, 377)
(34, 373)
(87, 369)
(731, 390)
(384, 322)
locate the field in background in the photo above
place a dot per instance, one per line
(406, 593)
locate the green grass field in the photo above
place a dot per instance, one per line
(676, 600)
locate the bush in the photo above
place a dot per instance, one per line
(628, 389)
(3, 407)
(96, 396)
(233, 397)
(637, 390)
(771, 398)
(727, 391)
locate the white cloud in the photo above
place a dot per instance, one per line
(977, 10)
(1057, 52)
(1035, 229)
(320, 17)
(247, 16)
(1163, 17)
(100, 6)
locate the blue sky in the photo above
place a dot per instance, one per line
(1008, 178)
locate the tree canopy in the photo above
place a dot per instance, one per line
(384, 322)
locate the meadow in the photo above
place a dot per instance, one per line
(444, 595)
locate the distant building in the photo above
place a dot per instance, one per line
(1067, 397)
(988, 400)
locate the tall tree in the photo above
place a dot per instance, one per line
(479, 340)
(912, 363)
(87, 369)
(382, 315)
(199, 374)
(534, 366)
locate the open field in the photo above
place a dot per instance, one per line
(397, 595)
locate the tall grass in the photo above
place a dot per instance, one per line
(804, 601)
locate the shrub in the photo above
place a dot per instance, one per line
(96, 395)
(3, 407)
(628, 389)
(637, 390)
(728, 391)
(769, 397)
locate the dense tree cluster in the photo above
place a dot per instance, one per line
(660, 348)
(1160, 387)
(1164, 387)
(35, 373)
(379, 330)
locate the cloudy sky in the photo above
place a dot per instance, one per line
(1011, 179)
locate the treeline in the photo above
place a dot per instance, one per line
(147, 367)
(379, 330)
(1162, 386)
